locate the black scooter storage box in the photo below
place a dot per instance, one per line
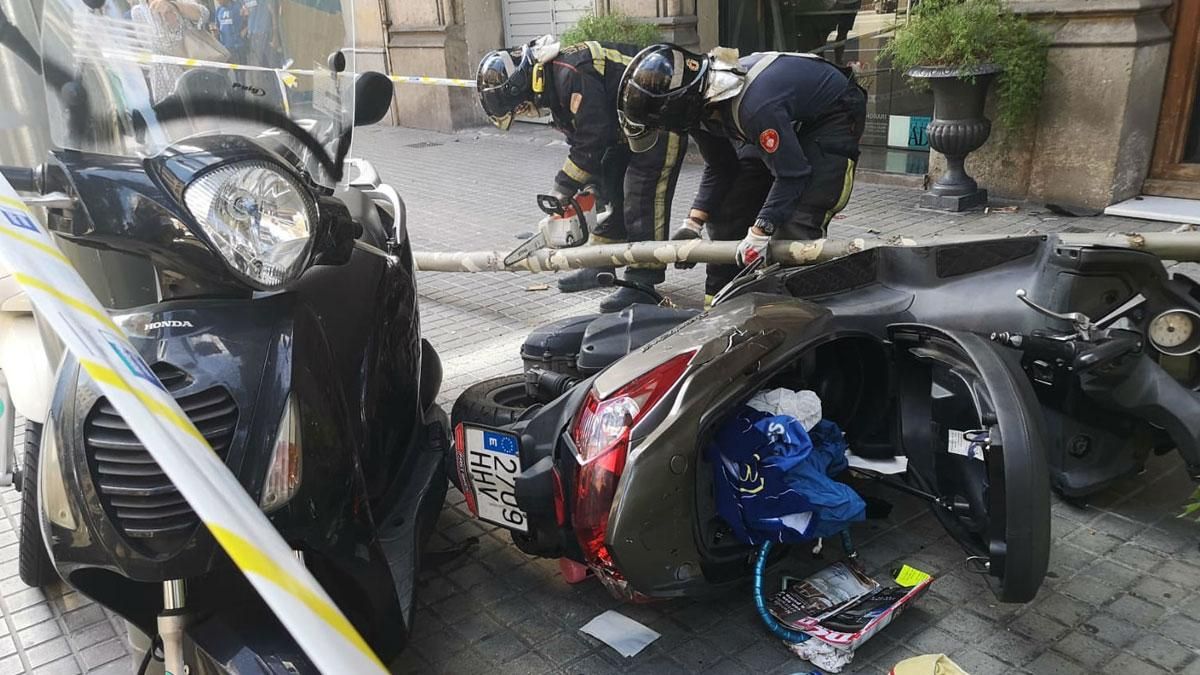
(612, 336)
(554, 346)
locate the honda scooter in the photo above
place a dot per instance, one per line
(269, 285)
(997, 369)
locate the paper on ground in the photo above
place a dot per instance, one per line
(620, 632)
(884, 466)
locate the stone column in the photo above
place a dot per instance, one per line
(439, 38)
(1091, 141)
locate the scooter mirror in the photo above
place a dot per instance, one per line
(372, 98)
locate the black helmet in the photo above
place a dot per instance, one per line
(505, 82)
(662, 89)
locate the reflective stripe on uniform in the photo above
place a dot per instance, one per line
(664, 183)
(575, 173)
(601, 55)
(847, 188)
(755, 71)
(601, 240)
(767, 59)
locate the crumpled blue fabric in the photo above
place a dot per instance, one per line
(773, 479)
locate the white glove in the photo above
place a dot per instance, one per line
(690, 229)
(753, 247)
(546, 49)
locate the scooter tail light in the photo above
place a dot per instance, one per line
(601, 435)
(284, 470)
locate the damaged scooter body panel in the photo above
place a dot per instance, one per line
(656, 529)
(651, 532)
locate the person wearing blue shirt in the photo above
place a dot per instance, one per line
(261, 41)
(228, 18)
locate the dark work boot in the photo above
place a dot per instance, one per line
(582, 280)
(624, 297)
(585, 279)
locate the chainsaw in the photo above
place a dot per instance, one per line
(566, 225)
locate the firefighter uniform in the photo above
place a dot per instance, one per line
(580, 88)
(783, 150)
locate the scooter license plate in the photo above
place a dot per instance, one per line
(488, 462)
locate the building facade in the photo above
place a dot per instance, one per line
(1117, 116)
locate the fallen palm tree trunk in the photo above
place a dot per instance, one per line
(1181, 246)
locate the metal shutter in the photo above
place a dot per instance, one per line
(525, 20)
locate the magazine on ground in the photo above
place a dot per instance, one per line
(842, 605)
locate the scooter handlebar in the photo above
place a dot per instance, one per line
(22, 179)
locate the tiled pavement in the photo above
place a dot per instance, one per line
(1123, 594)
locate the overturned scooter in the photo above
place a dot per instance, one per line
(596, 454)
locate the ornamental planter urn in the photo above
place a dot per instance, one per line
(958, 129)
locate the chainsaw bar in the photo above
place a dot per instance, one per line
(525, 249)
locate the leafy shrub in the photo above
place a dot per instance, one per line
(612, 28)
(972, 32)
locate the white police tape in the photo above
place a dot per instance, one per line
(234, 519)
(147, 58)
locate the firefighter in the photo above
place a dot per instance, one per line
(577, 86)
(779, 134)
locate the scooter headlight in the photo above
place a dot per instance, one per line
(257, 217)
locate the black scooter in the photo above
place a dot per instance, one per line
(998, 369)
(278, 306)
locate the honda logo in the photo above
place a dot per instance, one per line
(153, 325)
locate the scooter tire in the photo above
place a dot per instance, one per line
(34, 565)
(497, 402)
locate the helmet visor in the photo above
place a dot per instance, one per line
(499, 96)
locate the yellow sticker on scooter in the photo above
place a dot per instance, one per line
(235, 520)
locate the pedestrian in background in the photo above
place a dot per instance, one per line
(229, 28)
(167, 21)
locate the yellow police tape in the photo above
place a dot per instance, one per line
(235, 520)
(164, 59)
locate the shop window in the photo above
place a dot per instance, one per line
(851, 33)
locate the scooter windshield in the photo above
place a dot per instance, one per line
(132, 77)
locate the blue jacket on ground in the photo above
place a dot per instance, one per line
(772, 478)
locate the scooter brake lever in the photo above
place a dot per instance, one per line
(1082, 322)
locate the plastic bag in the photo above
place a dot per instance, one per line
(804, 405)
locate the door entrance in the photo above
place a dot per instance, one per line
(1175, 169)
(525, 20)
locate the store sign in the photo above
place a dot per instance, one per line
(906, 131)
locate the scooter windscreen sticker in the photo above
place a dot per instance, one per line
(212, 491)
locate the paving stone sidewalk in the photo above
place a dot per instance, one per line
(1122, 596)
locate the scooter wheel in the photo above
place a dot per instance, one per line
(34, 563)
(497, 402)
